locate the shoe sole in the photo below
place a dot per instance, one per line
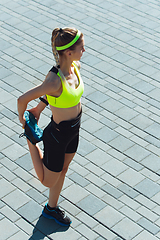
(50, 217)
(37, 132)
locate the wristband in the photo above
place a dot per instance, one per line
(43, 100)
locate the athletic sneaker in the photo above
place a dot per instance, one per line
(31, 129)
(57, 214)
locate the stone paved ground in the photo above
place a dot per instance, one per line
(112, 189)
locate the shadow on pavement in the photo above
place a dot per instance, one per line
(45, 227)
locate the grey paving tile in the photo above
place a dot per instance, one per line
(131, 177)
(70, 193)
(152, 228)
(94, 106)
(87, 232)
(114, 167)
(97, 97)
(129, 191)
(154, 94)
(85, 147)
(112, 105)
(24, 226)
(153, 130)
(35, 195)
(108, 123)
(145, 235)
(10, 213)
(25, 162)
(91, 125)
(19, 235)
(105, 134)
(14, 151)
(127, 228)
(137, 153)
(79, 179)
(109, 189)
(91, 204)
(133, 164)
(6, 187)
(141, 121)
(151, 162)
(28, 208)
(16, 199)
(68, 233)
(121, 143)
(148, 188)
(114, 218)
(9, 228)
(144, 87)
(7, 174)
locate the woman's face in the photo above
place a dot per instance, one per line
(79, 50)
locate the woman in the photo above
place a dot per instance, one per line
(62, 89)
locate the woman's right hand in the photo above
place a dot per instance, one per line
(22, 121)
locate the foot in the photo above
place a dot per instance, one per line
(56, 214)
(32, 132)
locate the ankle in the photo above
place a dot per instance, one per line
(51, 207)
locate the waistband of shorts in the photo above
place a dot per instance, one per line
(69, 124)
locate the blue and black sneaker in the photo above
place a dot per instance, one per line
(31, 130)
(56, 214)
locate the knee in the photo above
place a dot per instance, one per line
(46, 184)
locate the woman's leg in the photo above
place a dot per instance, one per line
(46, 177)
(37, 157)
(54, 192)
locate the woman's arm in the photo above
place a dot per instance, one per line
(51, 84)
(36, 111)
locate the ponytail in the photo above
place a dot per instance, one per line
(55, 33)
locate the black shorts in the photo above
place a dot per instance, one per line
(59, 139)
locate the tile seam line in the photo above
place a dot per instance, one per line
(68, 199)
(113, 12)
(29, 222)
(107, 204)
(22, 15)
(126, 154)
(23, 181)
(71, 203)
(87, 179)
(101, 71)
(122, 182)
(95, 219)
(40, 205)
(132, 125)
(117, 187)
(118, 80)
(96, 34)
(22, 218)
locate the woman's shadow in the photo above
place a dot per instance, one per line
(46, 227)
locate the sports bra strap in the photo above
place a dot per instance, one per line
(54, 69)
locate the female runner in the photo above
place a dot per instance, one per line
(62, 90)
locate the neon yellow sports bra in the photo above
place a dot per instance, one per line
(69, 97)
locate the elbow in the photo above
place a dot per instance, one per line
(19, 100)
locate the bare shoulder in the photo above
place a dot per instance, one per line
(52, 83)
(78, 64)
